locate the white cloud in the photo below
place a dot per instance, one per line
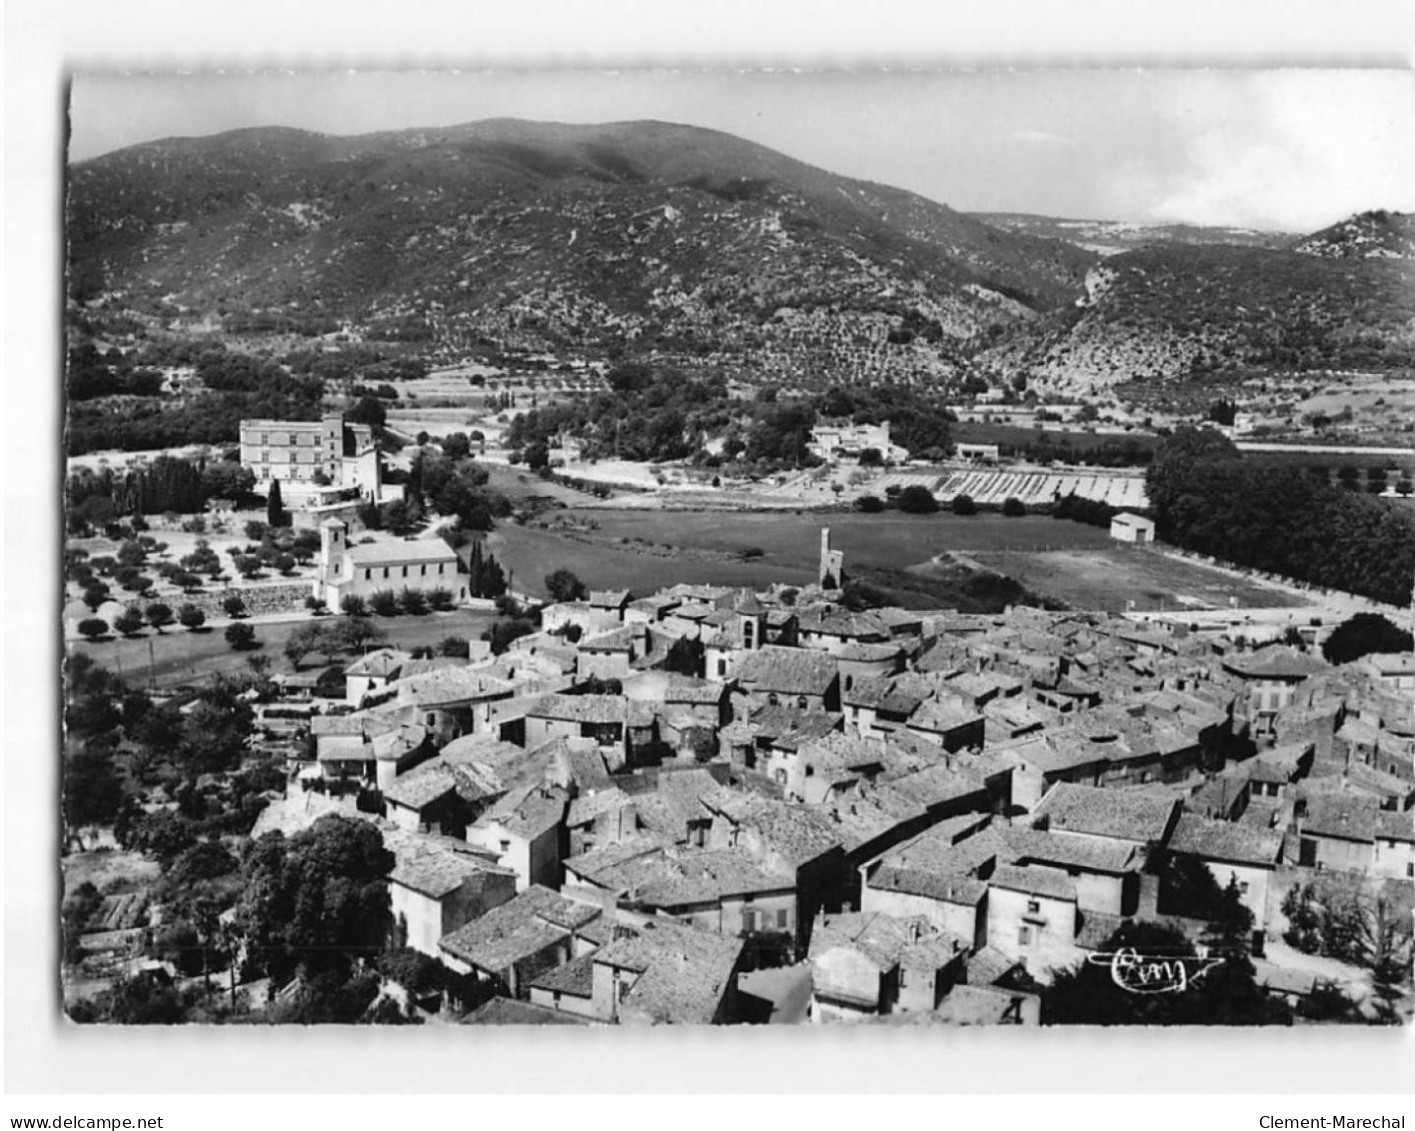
(1294, 150)
(1041, 137)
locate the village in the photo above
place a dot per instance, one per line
(714, 804)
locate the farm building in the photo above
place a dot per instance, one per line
(979, 453)
(1127, 527)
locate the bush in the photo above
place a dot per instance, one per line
(1014, 507)
(233, 606)
(189, 616)
(412, 602)
(963, 504)
(869, 504)
(455, 646)
(440, 599)
(240, 636)
(562, 585)
(384, 603)
(352, 605)
(917, 499)
(93, 627)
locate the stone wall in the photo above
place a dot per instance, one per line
(261, 600)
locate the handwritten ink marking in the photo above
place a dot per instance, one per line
(1152, 974)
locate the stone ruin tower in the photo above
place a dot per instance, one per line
(832, 563)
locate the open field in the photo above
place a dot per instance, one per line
(112, 872)
(179, 656)
(1070, 561)
(1109, 577)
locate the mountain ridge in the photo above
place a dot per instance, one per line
(521, 230)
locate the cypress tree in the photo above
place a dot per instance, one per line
(274, 511)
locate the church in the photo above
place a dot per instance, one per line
(424, 564)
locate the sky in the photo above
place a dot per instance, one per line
(1278, 149)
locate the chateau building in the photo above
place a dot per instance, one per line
(304, 451)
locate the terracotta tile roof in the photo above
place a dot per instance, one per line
(1342, 815)
(399, 743)
(528, 812)
(886, 941)
(1274, 663)
(422, 786)
(534, 920)
(789, 671)
(668, 877)
(1033, 881)
(384, 662)
(591, 709)
(988, 965)
(1395, 826)
(609, 598)
(1225, 841)
(416, 551)
(1106, 812)
(451, 685)
(1095, 928)
(684, 973)
(1034, 846)
(436, 866)
(575, 978)
(615, 640)
(797, 834)
(942, 716)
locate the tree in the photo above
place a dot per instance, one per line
(964, 505)
(185, 580)
(917, 499)
(191, 617)
(352, 605)
(384, 603)
(1386, 947)
(503, 632)
(353, 634)
(93, 627)
(871, 457)
(233, 606)
(367, 410)
(455, 446)
(1013, 507)
(440, 599)
(869, 504)
(240, 636)
(93, 791)
(159, 615)
(96, 595)
(1362, 635)
(412, 602)
(274, 509)
(304, 640)
(562, 585)
(315, 900)
(129, 622)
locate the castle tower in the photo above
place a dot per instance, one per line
(832, 563)
(331, 443)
